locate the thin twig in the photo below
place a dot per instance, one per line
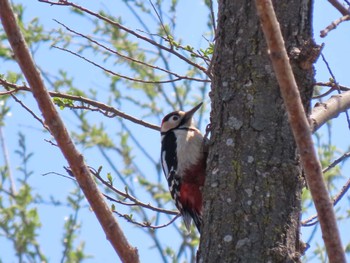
(212, 15)
(116, 74)
(69, 236)
(301, 130)
(61, 175)
(332, 86)
(114, 23)
(135, 201)
(164, 59)
(337, 161)
(138, 144)
(129, 219)
(336, 199)
(7, 162)
(162, 24)
(329, 91)
(31, 112)
(336, 84)
(129, 58)
(334, 25)
(144, 25)
(9, 92)
(104, 108)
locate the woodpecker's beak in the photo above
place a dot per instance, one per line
(190, 113)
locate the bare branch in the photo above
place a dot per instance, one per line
(342, 9)
(310, 221)
(333, 87)
(113, 73)
(323, 112)
(102, 211)
(212, 15)
(162, 24)
(332, 84)
(301, 130)
(145, 224)
(179, 77)
(114, 23)
(103, 108)
(31, 112)
(336, 84)
(9, 92)
(165, 60)
(337, 161)
(135, 201)
(333, 25)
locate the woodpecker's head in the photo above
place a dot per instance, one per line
(179, 119)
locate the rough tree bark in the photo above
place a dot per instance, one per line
(254, 182)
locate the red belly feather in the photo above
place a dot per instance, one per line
(191, 188)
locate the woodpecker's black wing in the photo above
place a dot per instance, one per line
(168, 154)
(170, 164)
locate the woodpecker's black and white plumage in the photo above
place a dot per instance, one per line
(184, 162)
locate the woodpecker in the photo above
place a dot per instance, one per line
(184, 162)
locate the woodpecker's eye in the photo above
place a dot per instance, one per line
(175, 118)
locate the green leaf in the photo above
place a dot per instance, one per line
(110, 178)
(62, 103)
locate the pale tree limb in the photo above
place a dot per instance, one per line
(102, 211)
(342, 9)
(334, 25)
(336, 85)
(301, 130)
(323, 112)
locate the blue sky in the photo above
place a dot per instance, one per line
(47, 159)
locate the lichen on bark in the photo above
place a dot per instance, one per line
(253, 186)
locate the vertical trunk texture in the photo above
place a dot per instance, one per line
(253, 187)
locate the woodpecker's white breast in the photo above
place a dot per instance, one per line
(189, 148)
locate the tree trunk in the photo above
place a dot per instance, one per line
(253, 187)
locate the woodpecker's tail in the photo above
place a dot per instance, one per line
(188, 216)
